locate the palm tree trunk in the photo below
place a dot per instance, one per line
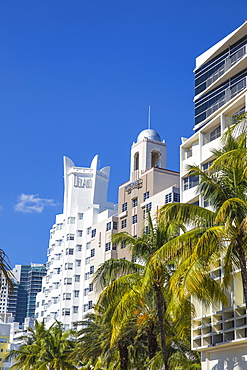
(160, 308)
(152, 341)
(123, 354)
(242, 260)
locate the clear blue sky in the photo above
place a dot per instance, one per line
(76, 79)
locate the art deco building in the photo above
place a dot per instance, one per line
(219, 332)
(81, 238)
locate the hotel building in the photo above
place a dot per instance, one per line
(219, 332)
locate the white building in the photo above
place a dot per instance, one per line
(85, 197)
(220, 333)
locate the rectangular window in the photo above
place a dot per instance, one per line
(87, 260)
(123, 223)
(107, 246)
(80, 216)
(114, 225)
(78, 247)
(88, 245)
(65, 312)
(89, 230)
(206, 165)
(168, 198)
(67, 281)
(149, 206)
(66, 296)
(58, 242)
(90, 305)
(134, 202)
(91, 270)
(124, 207)
(79, 233)
(69, 251)
(92, 252)
(146, 195)
(70, 236)
(59, 226)
(77, 278)
(114, 246)
(87, 275)
(75, 309)
(86, 291)
(77, 263)
(76, 293)
(134, 219)
(85, 307)
(69, 266)
(93, 233)
(146, 230)
(190, 182)
(176, 197)
(108, 226)
(71, 220)
(91, 287)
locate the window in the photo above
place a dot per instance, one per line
(91, 270)
(58, 242)
(176, 197)
(80, 216)
(114, 225)
(168, 198)
(70, 236)
(78, 247)
(92, 252)
(56, 285)
(86, 291)
(91, 287)
(66, 296)
(107, 246)
(85, 307)
(77, 278)
(134, 202)
(123, 244)
(76, 293)
(79, 233)
(124, 207)
(69, 266)
(69, 251)
(67, 281)
(59, 226)
(54, 300)
(75, 309)
(190, 181)
(77, 263)
(42, 313)
(114, 246)
(93, 233)
(108, 226)
(136, 161)
(57, 270)
(87, 260)
(37, 304)
(124, 223)
(57, 256)
(65, 312)
(146, 230)
(146, 195)
(149, 206)
(134, 219)
(90, 305)
(71, 220)
(88, 245)
(206, 165)
(89, 230)
(87, 275)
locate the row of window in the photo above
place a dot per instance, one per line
(135, 201)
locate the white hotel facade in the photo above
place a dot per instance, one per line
(219, 332)
(80, 240)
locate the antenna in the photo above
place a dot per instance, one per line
(149, 116)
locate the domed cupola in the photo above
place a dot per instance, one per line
(148, 134)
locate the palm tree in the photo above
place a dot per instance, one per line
(45, 349)
(132, 299)
(217, 236)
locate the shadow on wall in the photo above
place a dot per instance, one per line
(234, 363)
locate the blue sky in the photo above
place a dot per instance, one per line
(76, 79)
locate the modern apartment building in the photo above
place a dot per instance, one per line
(219, 332)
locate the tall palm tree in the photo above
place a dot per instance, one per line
(217, 236)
